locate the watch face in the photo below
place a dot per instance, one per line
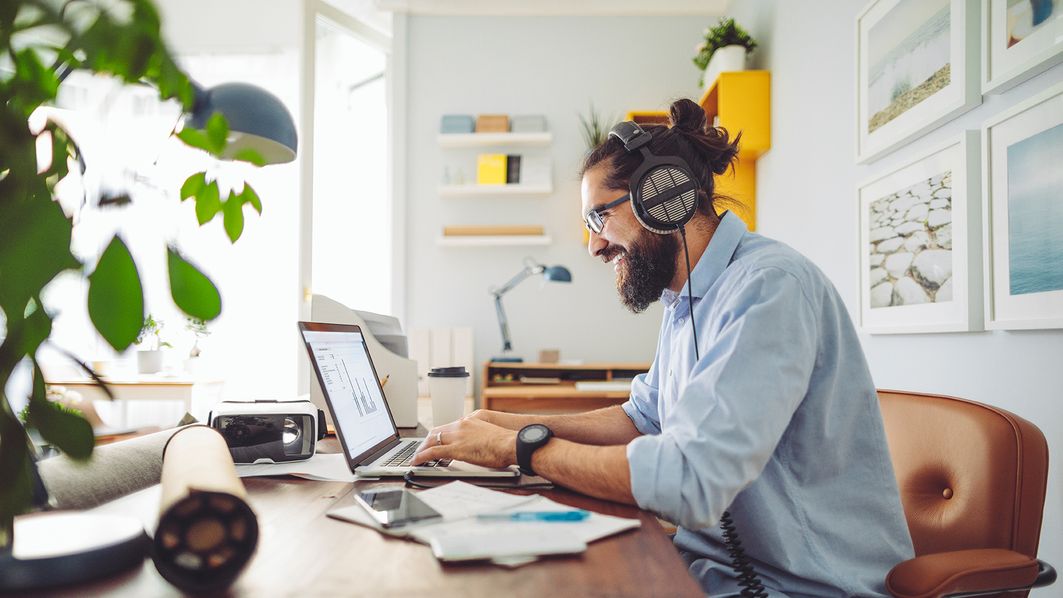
(533, 433)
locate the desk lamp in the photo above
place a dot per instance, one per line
(531, 268)
(257, 120)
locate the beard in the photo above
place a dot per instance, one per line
(647, 267)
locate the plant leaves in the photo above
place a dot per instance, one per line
(217, 132)
(68, 431)
(17, 490)
(193, 185)
(208, 202)
(192, 291)
(116, 297)
(195, 138)
(249, 155)
(35, 247)
(234, 216)
(251, 197)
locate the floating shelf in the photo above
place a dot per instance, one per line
(493, 240)
(482, 190)
(453, 140)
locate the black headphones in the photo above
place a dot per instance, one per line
(664, 192)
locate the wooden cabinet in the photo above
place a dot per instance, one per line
(556, 387)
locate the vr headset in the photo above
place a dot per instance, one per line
(269, 431)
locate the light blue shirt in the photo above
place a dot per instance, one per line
(778, 423)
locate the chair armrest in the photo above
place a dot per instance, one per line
(978, 570)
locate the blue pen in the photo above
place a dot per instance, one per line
(552, 516)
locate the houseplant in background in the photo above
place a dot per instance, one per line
(725, 48)
(149, 361)
(595, 127)
(200, 331)
(41, 41)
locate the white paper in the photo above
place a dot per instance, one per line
(322, 467)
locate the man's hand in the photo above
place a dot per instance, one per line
(510, 421)
(470, 439)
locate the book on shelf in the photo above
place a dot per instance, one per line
(491, 169)
(492, 123)
(491, 230)
(512, 169)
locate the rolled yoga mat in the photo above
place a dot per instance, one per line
(207, 533)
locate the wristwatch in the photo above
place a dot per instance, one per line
(530, 439)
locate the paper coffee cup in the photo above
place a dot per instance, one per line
(447, 387)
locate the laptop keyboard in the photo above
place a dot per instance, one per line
(404, 455)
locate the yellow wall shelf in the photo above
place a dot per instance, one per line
(738, 101)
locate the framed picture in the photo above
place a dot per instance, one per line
(1023, 182)
(917, 67)
(920, 249)
(1020, 38)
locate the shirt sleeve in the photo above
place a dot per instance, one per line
(758, 353)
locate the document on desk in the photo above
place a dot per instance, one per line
(462, 536)
(322, 467)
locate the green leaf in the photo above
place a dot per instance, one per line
(195, 138)
(234, 217)
(17, 490)
(208, 202)
(217, 132)
(68, 431)
(193, 185)
(35, 247)
(116, 297)
(192, 291)
(251, 197)
(249, 155)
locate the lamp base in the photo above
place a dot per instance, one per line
(507, 359)
(57, 548)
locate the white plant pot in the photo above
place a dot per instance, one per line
(726, 59)
(149, 362)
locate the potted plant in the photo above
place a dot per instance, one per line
(724, 49)
(200, 331)
(595, 127)
(149, 361)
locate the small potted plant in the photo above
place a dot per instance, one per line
(149, 361)
(724, 49)
(199, 331)
(595, 127)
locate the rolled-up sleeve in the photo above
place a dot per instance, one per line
(758, 355)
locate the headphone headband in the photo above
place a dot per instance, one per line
(631, 135)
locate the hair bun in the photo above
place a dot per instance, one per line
(687, 116)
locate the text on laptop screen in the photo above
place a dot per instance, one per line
(357, 403)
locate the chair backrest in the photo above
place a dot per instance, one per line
(970, 475)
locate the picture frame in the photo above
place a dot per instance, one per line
(917, 67)
(1023, 218)
(1008, 60)
(920, 243)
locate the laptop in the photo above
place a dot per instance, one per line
(362, 418)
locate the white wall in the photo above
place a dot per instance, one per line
(806, 197)
(517, 65)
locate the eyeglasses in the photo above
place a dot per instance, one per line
(595, 219)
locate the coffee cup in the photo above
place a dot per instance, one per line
(447, 388)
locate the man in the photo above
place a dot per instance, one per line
(773, 417)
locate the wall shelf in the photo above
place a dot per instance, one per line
(459, 140)
(473, 190)
(494, 241)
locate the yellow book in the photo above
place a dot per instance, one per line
(491, 169)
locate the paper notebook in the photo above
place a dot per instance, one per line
(461, 536)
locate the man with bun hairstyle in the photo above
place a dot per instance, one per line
(770, 423)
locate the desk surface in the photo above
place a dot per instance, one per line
(303, 552)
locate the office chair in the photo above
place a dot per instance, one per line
(972, 481)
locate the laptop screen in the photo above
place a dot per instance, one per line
(348, 380)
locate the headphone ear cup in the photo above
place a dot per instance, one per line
(664, 195)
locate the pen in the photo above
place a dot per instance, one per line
(553, 516)
(384, 382)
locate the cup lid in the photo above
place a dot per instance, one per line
(451, 372)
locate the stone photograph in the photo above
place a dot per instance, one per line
(910, 244)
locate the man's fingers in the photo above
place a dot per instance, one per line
(428, 454)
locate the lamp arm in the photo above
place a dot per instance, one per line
(503, 323)
(519, 278)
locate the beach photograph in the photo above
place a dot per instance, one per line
(908, 58)
(1035, 213)
(1026, 17)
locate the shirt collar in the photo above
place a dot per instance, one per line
(715, 260)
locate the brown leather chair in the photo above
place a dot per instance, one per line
(972, 480)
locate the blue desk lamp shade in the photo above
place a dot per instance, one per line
(531, 267)
(257, 120)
